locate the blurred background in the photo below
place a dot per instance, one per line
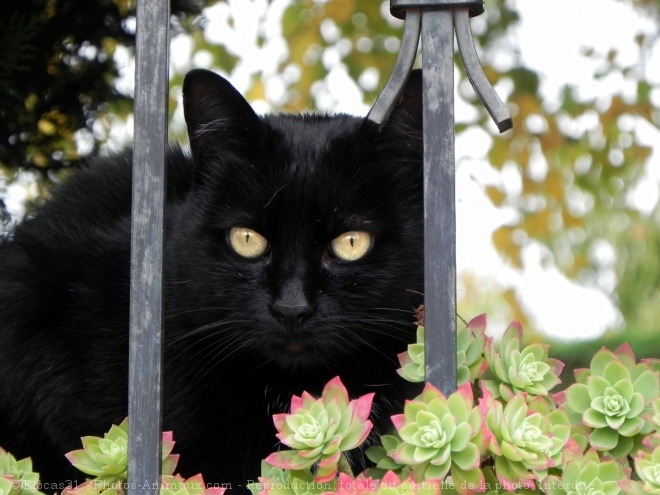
(558, 219)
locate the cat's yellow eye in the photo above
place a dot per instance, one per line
(247, 242)
(351, 246)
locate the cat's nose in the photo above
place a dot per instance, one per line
(291, 305)
(291, 313)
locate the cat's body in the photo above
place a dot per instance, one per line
(244, 330)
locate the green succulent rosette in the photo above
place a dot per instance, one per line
(647, 464)
(613, 397)
(526, 438)
(17, 477)
(585, 473)
(517, 369)
(92, 487)
(107, 458)
(412, 361)
(390, 484)
(378, 454)
(319, 430)
(440, 435)
(470, 361)
(470, 346)
(277, 481)
(176, 485)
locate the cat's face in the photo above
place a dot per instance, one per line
(301, 242)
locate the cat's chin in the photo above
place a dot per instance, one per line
(295, 354)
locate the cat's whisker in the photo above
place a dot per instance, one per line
(197, 310)
(204, 328)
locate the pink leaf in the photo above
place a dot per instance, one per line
(466, 391)
(625, 351)
(296, 403)
(390, 479)
(288, 459)
(478, 322)
(362, 407)
(335, 389)
(280, 421)
(329, 461)
(399, 420)
(556, 366)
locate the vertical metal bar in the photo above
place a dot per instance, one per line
(145, 353)
(439, 199)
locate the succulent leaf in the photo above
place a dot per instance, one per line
(319, 430)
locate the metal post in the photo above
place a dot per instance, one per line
(439, 203)
(145, 353)
(436, 19)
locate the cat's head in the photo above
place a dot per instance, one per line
(301, 241)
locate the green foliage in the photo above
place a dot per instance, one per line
(58, 73)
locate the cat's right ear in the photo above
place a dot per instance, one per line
(406, 117)
(217, 116)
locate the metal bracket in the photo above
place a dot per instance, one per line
(435, 21)
(412, 13)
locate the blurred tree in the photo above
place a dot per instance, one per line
(57, 77)
(578, 160)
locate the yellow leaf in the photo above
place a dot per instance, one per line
(46, 127)
(503, 242)
(496, 195)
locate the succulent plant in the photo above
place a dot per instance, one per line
(470, 362)
(647, 465)
(93, 487)
(319, 430)
(526, 438)
(106, 458)
(585, 473)
(612, 398)
(378, 454)
(439, 434)
(277, 481)
(517, 369)
(412, 361)
(390, 484)
(17, 477)
(176, 485)
(471, 342)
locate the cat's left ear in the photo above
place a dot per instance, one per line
(217, 115)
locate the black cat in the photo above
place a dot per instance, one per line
(293, 254)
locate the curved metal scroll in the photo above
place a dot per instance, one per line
(498, 112)
(404, 63)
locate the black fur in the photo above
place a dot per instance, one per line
(230, 362)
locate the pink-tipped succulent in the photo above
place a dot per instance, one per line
(613, 398)
(526, 438)
(470, 362)
(319, 430)
(17, 477)
(93, 487)
(586, 473)
(390, 484)
(647, 465)
(440, 434)
(107, 458)
(520, 369)
(176, 485)
(277, 481)
(412, 361)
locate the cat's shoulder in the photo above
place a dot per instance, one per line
(92, 204)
